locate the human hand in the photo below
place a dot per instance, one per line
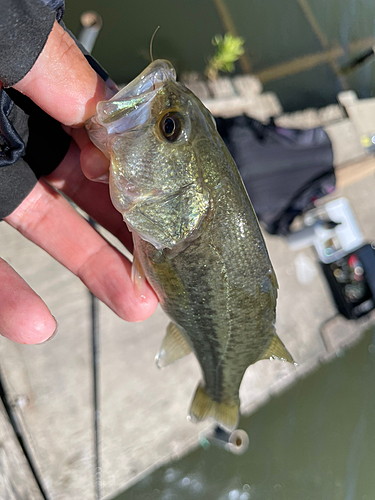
(64, 85)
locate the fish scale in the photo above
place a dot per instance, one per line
(196, 236)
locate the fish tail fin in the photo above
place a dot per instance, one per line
(203, 406)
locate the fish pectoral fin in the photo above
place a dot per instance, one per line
(137, 274)
(276, 350)
(203, 406)
(173, 347)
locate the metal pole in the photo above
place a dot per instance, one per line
(91, 24)
(310, 61)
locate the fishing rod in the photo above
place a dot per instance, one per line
(91, 24)
(358, 61)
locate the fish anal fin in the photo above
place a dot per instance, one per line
(173, 347)
(276, 350)
(203, 406)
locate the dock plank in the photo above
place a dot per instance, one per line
(16, 479)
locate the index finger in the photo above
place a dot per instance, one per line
(62, 82)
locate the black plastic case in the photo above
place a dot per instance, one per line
(352, 282)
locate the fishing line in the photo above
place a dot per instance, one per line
(151, 42)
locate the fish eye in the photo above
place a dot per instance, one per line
(171, 126)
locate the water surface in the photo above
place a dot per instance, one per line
(314, 442)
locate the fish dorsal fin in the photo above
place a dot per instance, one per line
(203, 406)
(173, 347)
(137, 274)
(276, 350)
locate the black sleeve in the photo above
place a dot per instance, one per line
(32, 144)
(25, 155)
(24, 29)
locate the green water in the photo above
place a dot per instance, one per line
(314, 442)
(274, 31)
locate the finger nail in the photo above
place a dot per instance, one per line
(52, 336)
(102, 178)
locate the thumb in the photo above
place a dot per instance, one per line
(62, 82)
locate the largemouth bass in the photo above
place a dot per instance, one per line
(196, 236)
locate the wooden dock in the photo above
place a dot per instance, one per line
(143, 409)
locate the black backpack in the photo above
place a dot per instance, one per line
(284, 170)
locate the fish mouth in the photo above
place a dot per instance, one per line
(152, 78)
(128, 108)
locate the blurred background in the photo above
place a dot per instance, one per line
(291, 86)
(296, 47)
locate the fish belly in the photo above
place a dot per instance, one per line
(220, 305)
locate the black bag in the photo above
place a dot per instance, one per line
(353, 293)
(284, 170)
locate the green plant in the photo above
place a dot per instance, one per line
(229, 48)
